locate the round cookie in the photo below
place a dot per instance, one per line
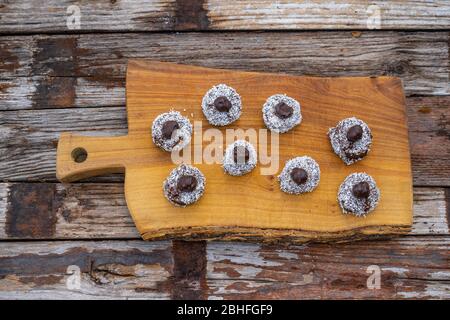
(221, 105)
(171, 131)
(281, 113)
(299, 175)
(358, 194)
(240, 158)
(184, 185)
(351, 139)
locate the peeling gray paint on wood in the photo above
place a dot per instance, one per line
(429, 126)
(30, 213)
(29, 151)
(329, 271)
(89, 70)
(447, 201)
(411, 267)
(21, 16)
(320, 15)
(189, 270)
(4, 195)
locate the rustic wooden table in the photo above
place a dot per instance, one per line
(57, 75)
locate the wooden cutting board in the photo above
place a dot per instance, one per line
(252, 207)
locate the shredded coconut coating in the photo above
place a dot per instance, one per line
(180, 137)
(353, 205)
(215, 117)
(182, 199)
(306, 163)
(240, 167)
(273, 122)
(350, 152)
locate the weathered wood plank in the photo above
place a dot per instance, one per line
(29, 138)
(24, 16)
(75, 211)
(108, 270)
(319, 15)
(151, 15)
(411, 267)
(89, 70)
(99, 211)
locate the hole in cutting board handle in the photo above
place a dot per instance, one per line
(79, 155)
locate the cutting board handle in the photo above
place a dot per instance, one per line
(80, 157)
